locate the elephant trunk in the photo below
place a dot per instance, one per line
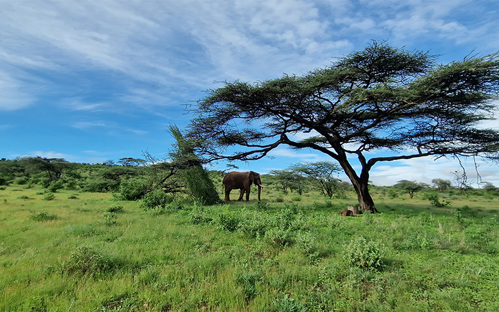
(259, 190)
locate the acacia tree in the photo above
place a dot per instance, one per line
(381, 98)
(322, 174)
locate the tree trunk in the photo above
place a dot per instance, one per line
(361, 186)
(365, 200)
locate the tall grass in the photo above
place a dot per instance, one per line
(92, 252)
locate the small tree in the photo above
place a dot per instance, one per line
(289, 179)
(321, 173)
(409, 186)
(381, 98)
(441, 184)
(198, 183)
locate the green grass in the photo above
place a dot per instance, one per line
(91, 252)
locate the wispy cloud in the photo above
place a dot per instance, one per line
(108, 128)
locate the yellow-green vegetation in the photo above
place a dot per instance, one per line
(81, 251)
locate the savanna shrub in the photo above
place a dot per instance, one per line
(228, 222)
(110, 218)
(97, 184)
(56, 185)
(43, 216)
(48, 196)
(85, 261)
(363, 254)
(156, 198)
(435, 200)
(115, 208)
(279, 237)
(133, 189)
(253, 226)
(21, 180)
(248, 282)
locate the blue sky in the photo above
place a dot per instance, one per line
(91, 81)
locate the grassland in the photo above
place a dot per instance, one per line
(93, 252)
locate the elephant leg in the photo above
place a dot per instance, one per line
(227, 194)
(247, 194)
(241, 195)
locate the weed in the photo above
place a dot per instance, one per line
(49, 196)
(44, 216)
(229, 222)
(248, 282)
(288, 304)
(85, 261)
(434, 199)
(110, 218)
(24, 197)
(278, 237)
(262, 205)
(115, 209)
(363, 254)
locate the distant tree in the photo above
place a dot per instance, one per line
(381, 98)
(130, 161)
(321, 173)
(441, 184)
(409, 186)
(52, 168)
(489, 187)
(289, 179)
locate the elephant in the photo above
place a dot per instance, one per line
(242, 181)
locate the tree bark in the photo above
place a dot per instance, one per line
(361, 185)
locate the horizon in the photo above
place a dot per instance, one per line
(91, 82)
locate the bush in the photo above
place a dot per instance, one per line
(100, 185)
(279, 237)
(155, 199)
(228, 222)
(434, 199)
(363, 254)
(21, 180)
(133, 189)
(49, 196)
(56, 185)
(115, 208)
(44, 216)
(85, 261)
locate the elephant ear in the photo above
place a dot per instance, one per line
(252, 176)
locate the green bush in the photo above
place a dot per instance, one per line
(115, 208)
(100, 185)
(434, 199)
(253, 226)
(363, 254)
(278, 237)
(44, 216)
(133, 189)
(156, 198)
(85, 261)
(49, 196)
(55, 186)
(21, 180)
(110, 218)
(248, 282)
(228, 222)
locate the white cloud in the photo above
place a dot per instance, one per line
(51, 154)
(13, 95)
(427, 169)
